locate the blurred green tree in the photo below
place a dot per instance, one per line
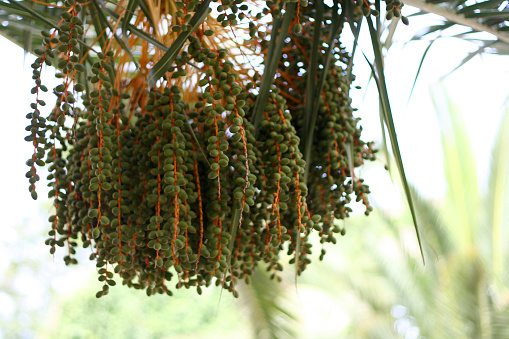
(264, 310)
(463, 290)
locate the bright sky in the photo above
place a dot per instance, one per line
(479, 88)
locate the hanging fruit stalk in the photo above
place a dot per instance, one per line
(157, 166)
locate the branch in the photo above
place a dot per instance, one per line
(459, 19)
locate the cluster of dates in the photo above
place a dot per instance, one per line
(180, 184)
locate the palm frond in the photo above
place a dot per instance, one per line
(497, 206)
(460, 168)
(499, 326)
(485, 16)
(271, 310)
(378, 75)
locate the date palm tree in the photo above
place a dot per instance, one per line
(151, 53)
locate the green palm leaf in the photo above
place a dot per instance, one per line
(498, 206)
(162, 66)
(483, 16)
(378, 74)
(271, 311)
